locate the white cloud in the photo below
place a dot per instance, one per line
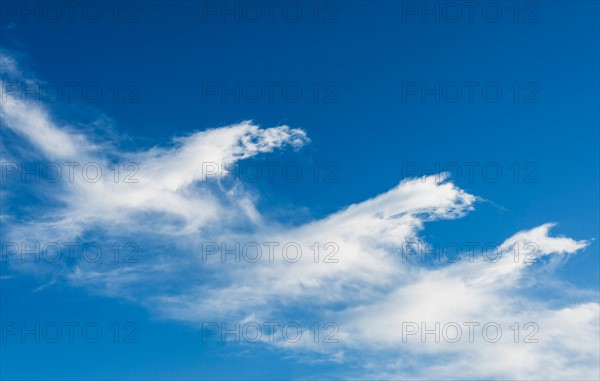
(369, 292)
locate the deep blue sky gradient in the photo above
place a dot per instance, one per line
(369, 132)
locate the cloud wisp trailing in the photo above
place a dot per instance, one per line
(381, 304)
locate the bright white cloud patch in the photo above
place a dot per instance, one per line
(377, 299)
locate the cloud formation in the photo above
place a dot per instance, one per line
(359, 279)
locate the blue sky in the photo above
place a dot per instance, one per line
(178, 84)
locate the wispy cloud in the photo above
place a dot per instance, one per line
(174, 208)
